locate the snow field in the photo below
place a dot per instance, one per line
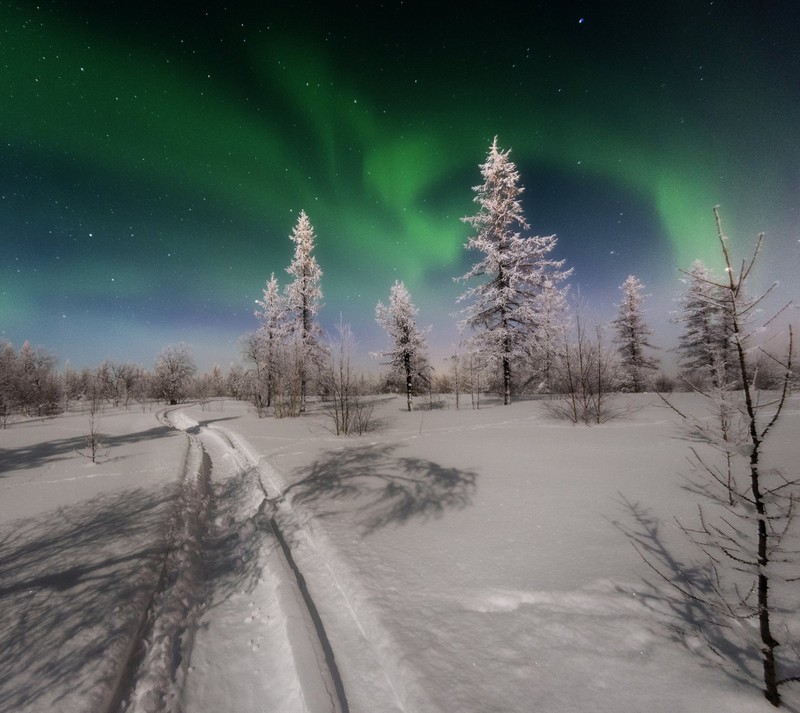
(81, 551)
(375, 670)
(459, 560)
(486, 557)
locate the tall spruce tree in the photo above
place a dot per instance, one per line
(704, 345)
(503, 310)
(272, 333)
(631, 336)
(408, 354)
(304, 299)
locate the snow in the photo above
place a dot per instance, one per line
(471, 560)
(82, 549)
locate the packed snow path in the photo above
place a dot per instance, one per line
(233, 622)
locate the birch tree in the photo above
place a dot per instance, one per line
(173, 373)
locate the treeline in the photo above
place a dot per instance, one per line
(521, 336)
(31, 385)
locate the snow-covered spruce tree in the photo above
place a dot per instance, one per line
(546, 348)
(704, 345)
(407, 356)
(304, 299)
(745, 533)
(631, 337)
(271, 336)
(502, 310)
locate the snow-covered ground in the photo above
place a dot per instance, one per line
(471, 560)
(81, 551)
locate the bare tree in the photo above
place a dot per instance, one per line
(253, 350)
(8, 370)
(291, 373)
(477, 376)
(94, 397)
(36, 387)
(173, 373)
(457, 380)
(585, 379)
(236, 382)
(346, 406)
(743, 531)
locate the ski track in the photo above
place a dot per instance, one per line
(304, 589)
(161, 669)
(282, 638)
(393, 684)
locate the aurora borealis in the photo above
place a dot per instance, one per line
(154, 158)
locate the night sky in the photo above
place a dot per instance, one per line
(154, 156)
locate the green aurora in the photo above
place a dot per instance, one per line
(153, 166)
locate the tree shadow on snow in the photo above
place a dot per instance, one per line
(681, 597)
(73, 586)
(384, 488)
(41, 453)
(234, 540)
(208, 421)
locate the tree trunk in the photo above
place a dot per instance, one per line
(506, 366)
(407, 367)
(506, 382)
(769, 644)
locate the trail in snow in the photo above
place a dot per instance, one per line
(293, 657)
(168, 635)
(234, 624)
(377, 672)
